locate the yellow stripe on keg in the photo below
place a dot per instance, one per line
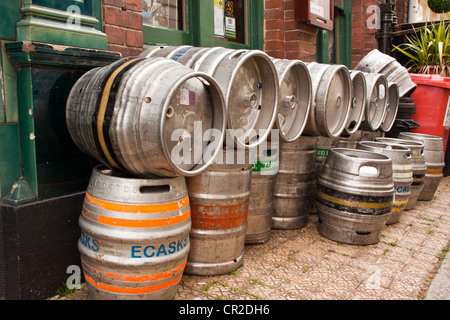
(355, 204)
(398, 205)
(102, 111)
(434, 171)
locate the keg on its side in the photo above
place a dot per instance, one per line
(402, 173)
(261, 205)
(294, 186)
(358, 106)
(391, 108)
(248, 81)
(377, 98)
(418, 166)
(331, 99)
(219, 203)
(433, 153)
(354, 196)
(294, 102)
(134, 235)
(148, 117)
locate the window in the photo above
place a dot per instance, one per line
(335, 46)
(167, 14)
(204, 23)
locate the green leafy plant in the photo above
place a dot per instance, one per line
(428, 49)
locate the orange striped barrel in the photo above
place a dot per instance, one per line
(134, 236)
(220, 201)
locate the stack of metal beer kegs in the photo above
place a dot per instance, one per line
(203, 151)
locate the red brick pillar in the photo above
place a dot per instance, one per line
(284, 37)
(122, 23)
(364, 22)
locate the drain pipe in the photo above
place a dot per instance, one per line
(384, 35)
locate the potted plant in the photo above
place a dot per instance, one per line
(428, 50)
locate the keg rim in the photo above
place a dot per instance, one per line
(219, 121)
(300, 66)
(353, 75)
(374, 78)
(406, 142)
(321, 128)
(251, 54)
(387, 126)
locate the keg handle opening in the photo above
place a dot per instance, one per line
(155, 189)
(368, 171)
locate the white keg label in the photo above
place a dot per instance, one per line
(187, 97)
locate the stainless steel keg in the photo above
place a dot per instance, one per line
(433, 153)
(402, 173)
(261, 204)
(354, 196)
(294, 102)
(358, 106)
(294, 186)
(391, 108)
(418, 166)
(134, 235)
(331, 100)
(219, 203)
(378, 62)
(249, 83)
(148, 117)
(376, 103)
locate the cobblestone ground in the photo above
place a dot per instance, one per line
(301, 264)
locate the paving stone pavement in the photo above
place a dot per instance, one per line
(301, 264)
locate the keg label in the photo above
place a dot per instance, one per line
(265, 165)
(89, 242)
(402, 189)
(187, 97)
(322, 152)
(154, 251)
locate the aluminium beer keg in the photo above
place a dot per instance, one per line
(148, 117)
(261, 203)
(402, 173)
(376, 103)
(358, 106)
(248, 81)
(331, 100)
(294, 102)
(219, 199)
(294, 186)
(134, 235)
(418, 166)
(433, 153)
(354, 196)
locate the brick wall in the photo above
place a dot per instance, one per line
(122, 23)
(363, 28)
(285, 38)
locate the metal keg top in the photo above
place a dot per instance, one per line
(377, 98)
(332, 98)
(359, 100)
(394, 152)
(251, 96)
(391, 108)
(430, 142)
(360, 163)
(295, 96)
(113, 185)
